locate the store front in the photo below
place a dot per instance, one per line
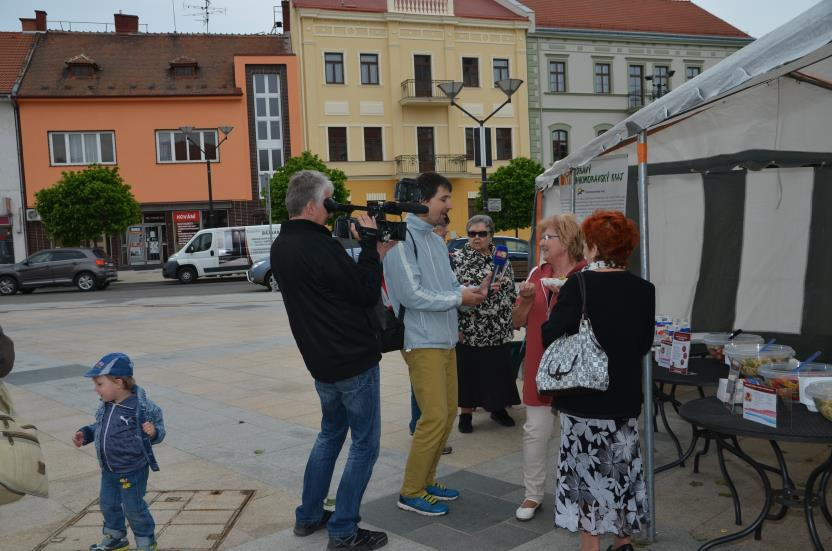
(162, 233)
(6, 240)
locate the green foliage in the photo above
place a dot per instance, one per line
(514, 184)
(306, 161)
(84, 205)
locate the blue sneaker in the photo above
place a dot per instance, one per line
(442, 492)
(424, 504)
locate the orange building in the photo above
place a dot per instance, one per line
(120, 99)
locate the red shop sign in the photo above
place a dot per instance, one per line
(186, 216)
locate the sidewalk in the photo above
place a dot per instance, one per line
(139, 276)
(241, 413)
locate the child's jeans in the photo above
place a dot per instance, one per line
(122, 495)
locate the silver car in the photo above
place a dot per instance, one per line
(261, 272)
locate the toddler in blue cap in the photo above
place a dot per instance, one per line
(126, 425)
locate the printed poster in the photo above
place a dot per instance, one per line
(599, 184)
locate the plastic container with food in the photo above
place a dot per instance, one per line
(821, 394)
(748, 358)
(785, 377)
(715, 342)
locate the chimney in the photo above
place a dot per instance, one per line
(287, 25)
(38, 24)
(126, 23)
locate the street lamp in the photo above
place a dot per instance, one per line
(225, 131)
(657, 80)
(508, 86)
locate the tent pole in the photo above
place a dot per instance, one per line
(574, 193)
(647, 449)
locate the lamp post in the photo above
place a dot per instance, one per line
(225, 131)
(508, 86)
(656, 79)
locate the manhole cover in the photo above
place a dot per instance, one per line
(185, 520)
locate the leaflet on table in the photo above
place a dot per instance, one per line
(665, 347)
(759, 404)
(734, 397)
(680, 351)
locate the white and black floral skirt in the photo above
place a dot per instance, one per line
(600, 477)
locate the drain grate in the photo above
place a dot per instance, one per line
(197, 520)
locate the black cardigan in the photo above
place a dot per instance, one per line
(621, 308)
(329, 299)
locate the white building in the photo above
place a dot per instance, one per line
(593, 62)
(15, 50)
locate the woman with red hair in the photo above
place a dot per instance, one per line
(600, 478)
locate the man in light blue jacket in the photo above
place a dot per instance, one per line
(419, 277)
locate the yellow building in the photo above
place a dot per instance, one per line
(372, 106)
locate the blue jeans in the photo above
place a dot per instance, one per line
(122, 495)
(415, 412)
(349, 404)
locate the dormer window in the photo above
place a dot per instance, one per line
(81, 66)
(183, 67)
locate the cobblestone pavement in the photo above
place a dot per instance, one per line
(242, 412)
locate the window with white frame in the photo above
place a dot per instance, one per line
(503, 139)
(337, 138)
(82, 148)
(602, 78)
(172, 146)
(557, 76)
(268, 120)
(692, 71)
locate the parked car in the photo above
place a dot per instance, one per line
(87, 269)
(518, 253)
(261, 273)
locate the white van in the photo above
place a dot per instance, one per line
(220, 252)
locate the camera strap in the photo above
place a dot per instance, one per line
(416, 254)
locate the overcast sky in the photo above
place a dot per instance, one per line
(755, 17)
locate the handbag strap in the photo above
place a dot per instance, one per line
(582, 287)
(416, 254)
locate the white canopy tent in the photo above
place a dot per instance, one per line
(738, 166)
(740, 183)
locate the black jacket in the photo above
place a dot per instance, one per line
(622, 310)
(329, 299)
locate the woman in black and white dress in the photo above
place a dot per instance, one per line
(484, 368)
(600, 477)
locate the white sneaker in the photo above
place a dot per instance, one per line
(526, 513)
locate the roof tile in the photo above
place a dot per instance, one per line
(139, 64)
(657, 16)
(14, 49)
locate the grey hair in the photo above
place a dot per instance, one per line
(481, 219)
(305, 186)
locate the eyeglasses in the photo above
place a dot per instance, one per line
(547, 237)
(477, 234)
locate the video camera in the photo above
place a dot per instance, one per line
(407, 200)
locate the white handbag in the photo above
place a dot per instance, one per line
(22, 468)
(576, 361)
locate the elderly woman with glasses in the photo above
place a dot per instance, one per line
(485, 377)
(600, 477)
(561, 250)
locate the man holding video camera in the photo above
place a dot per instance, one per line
(419, 277)
(329, 299)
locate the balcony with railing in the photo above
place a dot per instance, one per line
(443, 164)
(421, 7)
(423, 92)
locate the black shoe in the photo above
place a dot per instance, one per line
(625, 547)
(465, 425)
(303, 530)
(502, 417)
(361, 540)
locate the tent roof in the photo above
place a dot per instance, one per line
(789, 48)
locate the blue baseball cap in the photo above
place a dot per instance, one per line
(115, 364)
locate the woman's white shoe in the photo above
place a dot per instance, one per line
(526, 513)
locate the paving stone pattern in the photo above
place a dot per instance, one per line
(196, 520)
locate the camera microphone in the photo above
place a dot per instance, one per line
(332, 206)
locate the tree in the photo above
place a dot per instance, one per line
(85, 205)
(514, 184)
(306, 161)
